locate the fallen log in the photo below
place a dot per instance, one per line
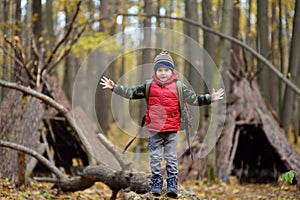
(116, 179)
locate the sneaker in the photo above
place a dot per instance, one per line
(157, 184)
(172, 187)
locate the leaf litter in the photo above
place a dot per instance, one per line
(192, 189)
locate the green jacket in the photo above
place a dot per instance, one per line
(139, 92)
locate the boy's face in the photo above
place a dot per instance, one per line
(163, 73)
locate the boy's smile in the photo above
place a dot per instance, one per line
(163, 73)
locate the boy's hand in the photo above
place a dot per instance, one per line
(107, 83)
(215, 96)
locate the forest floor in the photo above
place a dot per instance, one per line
(188, 190)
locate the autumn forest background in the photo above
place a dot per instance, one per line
(49, 138)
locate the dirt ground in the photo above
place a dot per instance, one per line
(188, 190)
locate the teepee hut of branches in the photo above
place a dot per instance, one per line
(253, 145)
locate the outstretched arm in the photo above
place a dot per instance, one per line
(217, 95)
(137, 92)
(201, 99)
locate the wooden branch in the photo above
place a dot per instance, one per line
(233, 74)
(233, 150)
(230, 76)
(235, 58)
(11, 73)
(33, 162)
(35, 48)
(60, 108)
(47, 146)
(111, 149)
(51, 67)
(18, 61)
(247, 71)
(71, 24)
(46, 179)
(12, 56)
(34, 154)
(45, 142)
(40, 55)
(230, 38)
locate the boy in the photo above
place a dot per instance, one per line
(163, 117)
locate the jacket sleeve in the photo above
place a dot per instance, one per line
(137, 92)
(195, 99)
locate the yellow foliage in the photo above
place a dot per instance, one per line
(98, 40)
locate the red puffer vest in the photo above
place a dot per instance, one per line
(162, 113)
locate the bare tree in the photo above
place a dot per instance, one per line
(208, 38)
(281, 52)
(70, 66)
(103, 100)
(274, 91)
(191, 12)
(235, 56)
(223, 55)
(49, 24)
(263, 46)
(6, 15)
(294, 63)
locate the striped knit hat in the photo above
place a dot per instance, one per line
(163, 59)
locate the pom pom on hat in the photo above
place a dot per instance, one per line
(163, 59)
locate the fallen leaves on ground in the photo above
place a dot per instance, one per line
(188, 190)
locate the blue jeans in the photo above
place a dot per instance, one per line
(169, 141)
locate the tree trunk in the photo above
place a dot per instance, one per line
(18, 13)
(103, 108)
(281, 54)
(37, 27)
(209, 43)
(146, 53)
(70, 64)
(191, 12)
(250, 40)
(194, 73)
(10, 117)
(27, 33)
(208, 38)
(145, 74)
(296, 118)
(3, 70)
(104, 13)
(28, 133)
(50, 24)
(263, 46)
(294, 63)
(235, 56)
(17, 38)
(222, 61)
(274, 91)
(224, 46)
